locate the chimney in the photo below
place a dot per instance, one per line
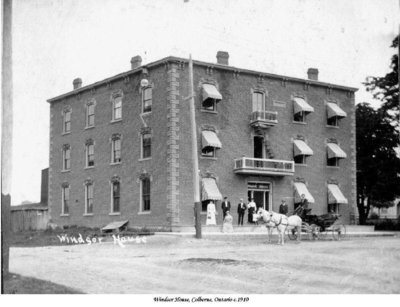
(136, 62)
(77, 83)
(223, 57)
(312, 74)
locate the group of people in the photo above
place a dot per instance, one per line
(251, 207)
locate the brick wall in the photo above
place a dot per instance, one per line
(131, 167)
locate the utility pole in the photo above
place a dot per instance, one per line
(196, 180)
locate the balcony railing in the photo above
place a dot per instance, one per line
(263, 119)
(270, 167)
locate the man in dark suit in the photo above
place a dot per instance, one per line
(226, 206)
(303, 205)
(241, 210)
(283, 208)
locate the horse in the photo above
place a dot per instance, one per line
(280, 222)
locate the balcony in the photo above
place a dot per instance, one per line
(267, 167)
(263, 119)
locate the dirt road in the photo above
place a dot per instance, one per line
(168, 264)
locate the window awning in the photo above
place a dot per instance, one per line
(335, 196)
(210, 139)
(210, 91)
(210, 189)
(335, 110)
(300, 105)
(301, 148)
(334, 151)
(300, 189)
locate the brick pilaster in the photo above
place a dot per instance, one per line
(173, 129)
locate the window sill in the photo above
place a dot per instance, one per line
(115, 163)
(65, 133)
(329, 126)
(333, 167)
(65, 171)
(89, 167)
(208, 111)
(145, 113)
(144, 159)
(88, 214)
(298, 164)
(64, 214)
(299, 123)
(114, 213)
(89, 127)
(116, 121)
(209, 158)
(144, 212)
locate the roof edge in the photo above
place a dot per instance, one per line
(200, 63)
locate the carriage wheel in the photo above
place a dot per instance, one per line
(338, 231)
(292, 234)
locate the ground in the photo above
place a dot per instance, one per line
(218, 264)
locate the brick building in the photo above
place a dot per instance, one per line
(120, 149)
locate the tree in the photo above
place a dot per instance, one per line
(378, 166)
(386, 88)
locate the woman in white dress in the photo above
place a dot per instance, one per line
(211, 214)
(228, 227)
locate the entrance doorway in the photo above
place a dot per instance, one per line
(261, 193)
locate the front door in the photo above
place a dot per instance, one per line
(258, 147)
(260, 192)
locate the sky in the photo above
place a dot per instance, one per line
(55, 41)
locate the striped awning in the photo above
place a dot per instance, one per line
(302, 149)
(210, 139)
(300, 189)
(209, 189)
(300, 105)
(210, 91)
(335, 196)
(335, 110)
(334, 151)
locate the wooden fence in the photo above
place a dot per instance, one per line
(29, 219)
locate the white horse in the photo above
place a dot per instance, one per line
(280, 222)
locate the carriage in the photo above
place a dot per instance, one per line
(320, 226)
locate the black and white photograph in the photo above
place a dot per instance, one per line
(200, 151)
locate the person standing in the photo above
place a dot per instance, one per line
(283, 208)
(227, 225)
(226, 206)
(211, 214)
(252, 208)
(241, 210)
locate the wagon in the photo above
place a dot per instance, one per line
(320, 226)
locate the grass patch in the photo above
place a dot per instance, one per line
(17, 284)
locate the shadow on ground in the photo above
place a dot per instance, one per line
(17, 284)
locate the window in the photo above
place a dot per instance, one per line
(146, 145)
(89, 198)
(333, 208)
(115, 196)
(89, 153)
(258, 102)
(333, 162)
(66, 157)
(116, 149)
(210, 97)
(147, 99)
(333, 121)
(208, 152)
(67, 120)
(145, 194)
(210, 105)
(90, 114)
(300, 159)
(117, 108)
(65, 199)
(299, 117)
